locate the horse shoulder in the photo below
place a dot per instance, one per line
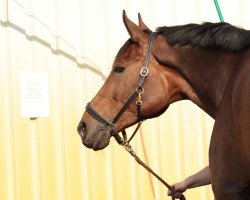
(241, 113)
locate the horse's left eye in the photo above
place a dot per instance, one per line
(118, 69)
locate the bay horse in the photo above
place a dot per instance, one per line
(208, 64)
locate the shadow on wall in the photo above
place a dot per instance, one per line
(48, 45)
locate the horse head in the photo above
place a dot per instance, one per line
(161, 87)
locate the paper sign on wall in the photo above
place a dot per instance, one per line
(34, 94)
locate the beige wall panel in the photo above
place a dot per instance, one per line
(75, 42)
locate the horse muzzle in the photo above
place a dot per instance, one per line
(96, 139)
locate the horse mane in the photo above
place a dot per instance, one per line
(208, 35)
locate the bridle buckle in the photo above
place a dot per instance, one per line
(144, 71)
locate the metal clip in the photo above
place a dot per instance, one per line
(140, 91)
(139, 101)
(127, 146)
(129, 149)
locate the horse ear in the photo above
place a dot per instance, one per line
(134, 30)
(141, 24)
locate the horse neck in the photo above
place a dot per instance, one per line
(206, 71)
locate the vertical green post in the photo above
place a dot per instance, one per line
(218, 10)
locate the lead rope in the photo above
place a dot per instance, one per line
(129, 149)
(217, 6)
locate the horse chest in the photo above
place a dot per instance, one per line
(226, 165)
(229, 165)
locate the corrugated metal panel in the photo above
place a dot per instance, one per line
(75, 42)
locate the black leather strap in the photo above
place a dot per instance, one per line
(144, 70)
(96, 115)
(125, 107)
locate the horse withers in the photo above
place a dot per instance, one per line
(208, 64)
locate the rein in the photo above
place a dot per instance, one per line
(111, 125)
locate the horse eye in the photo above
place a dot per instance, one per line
(118, 69)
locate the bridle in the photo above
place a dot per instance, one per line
(111, 125)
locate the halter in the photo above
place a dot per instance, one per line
(111, 125)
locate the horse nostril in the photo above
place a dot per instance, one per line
(81, 128)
